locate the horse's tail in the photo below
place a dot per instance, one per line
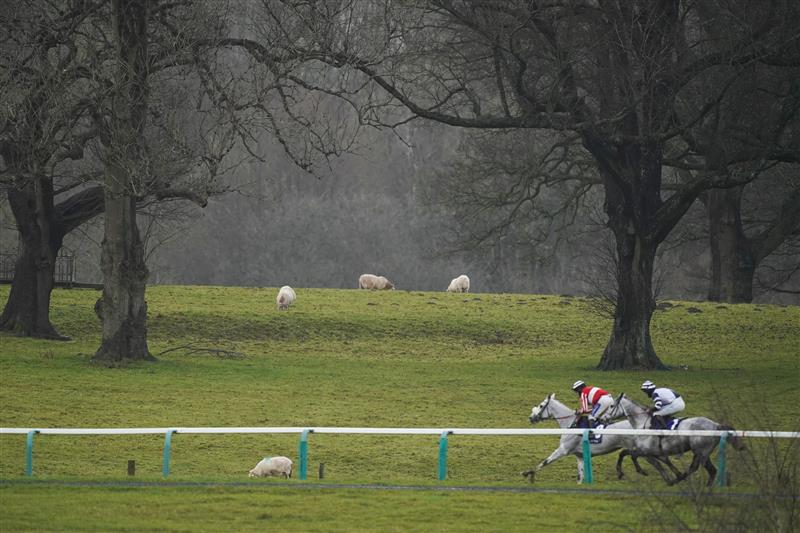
(735, 441)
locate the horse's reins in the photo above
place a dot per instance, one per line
(637, 411)
(554, 417)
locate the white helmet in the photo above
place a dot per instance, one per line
(578, 384)
(648, 385)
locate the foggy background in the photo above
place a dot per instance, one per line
(375, 211)
(370, 213)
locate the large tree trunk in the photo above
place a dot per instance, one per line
(733, 263)
(123, 308)
(630, 345)
(632, 176)
(41, 228)
(27, 310)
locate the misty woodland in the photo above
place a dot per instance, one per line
(625, 151)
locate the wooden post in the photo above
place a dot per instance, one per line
(321, 470)
(131, 467)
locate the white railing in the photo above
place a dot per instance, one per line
(399, 431)
(304, 432)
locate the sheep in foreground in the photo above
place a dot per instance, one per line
(286, 297)
(273, 466)
(371, 281)
(460, 284)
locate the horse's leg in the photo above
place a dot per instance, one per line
(712, 471)
(580, 469)
(622, 455)
(656, 462)
(555, 456)
(671, 466)
(697, 460)
(635, 461)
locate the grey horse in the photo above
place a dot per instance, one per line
(571, 444)
(640, 417)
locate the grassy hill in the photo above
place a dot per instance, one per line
(227, 357)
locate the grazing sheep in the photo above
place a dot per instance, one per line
(286, 297)
(273, 466)
(460, 284)
(370, 281)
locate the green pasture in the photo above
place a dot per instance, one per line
(227, 357)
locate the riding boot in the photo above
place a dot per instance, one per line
(657, 422)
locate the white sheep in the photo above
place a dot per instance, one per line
(371, 281)
(273, 466)
(286, 297)
(459, 284)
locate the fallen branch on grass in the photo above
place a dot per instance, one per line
(191, 349)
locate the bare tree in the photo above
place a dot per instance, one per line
(149, 152)
(753, 130)
(513, 184)
(104, 111)
(618, 75)
(43, 127)
(122, 308)
(55, 83)
(740, 244)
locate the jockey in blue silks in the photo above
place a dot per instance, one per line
(666, 402)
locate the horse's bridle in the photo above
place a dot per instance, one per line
(617, 406)
(542, 408)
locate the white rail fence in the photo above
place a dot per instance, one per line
(443, 433)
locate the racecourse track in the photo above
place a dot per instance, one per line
(272, 485)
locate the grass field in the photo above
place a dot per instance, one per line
(357, 358)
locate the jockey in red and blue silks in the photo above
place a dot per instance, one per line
(593, 399)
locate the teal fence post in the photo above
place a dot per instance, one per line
(29, 453)
(443, 455)
(587, 458)
(722, 467)
(167, 451)
(303, 453)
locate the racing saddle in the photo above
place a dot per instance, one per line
(664, 422)
(583, 422)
